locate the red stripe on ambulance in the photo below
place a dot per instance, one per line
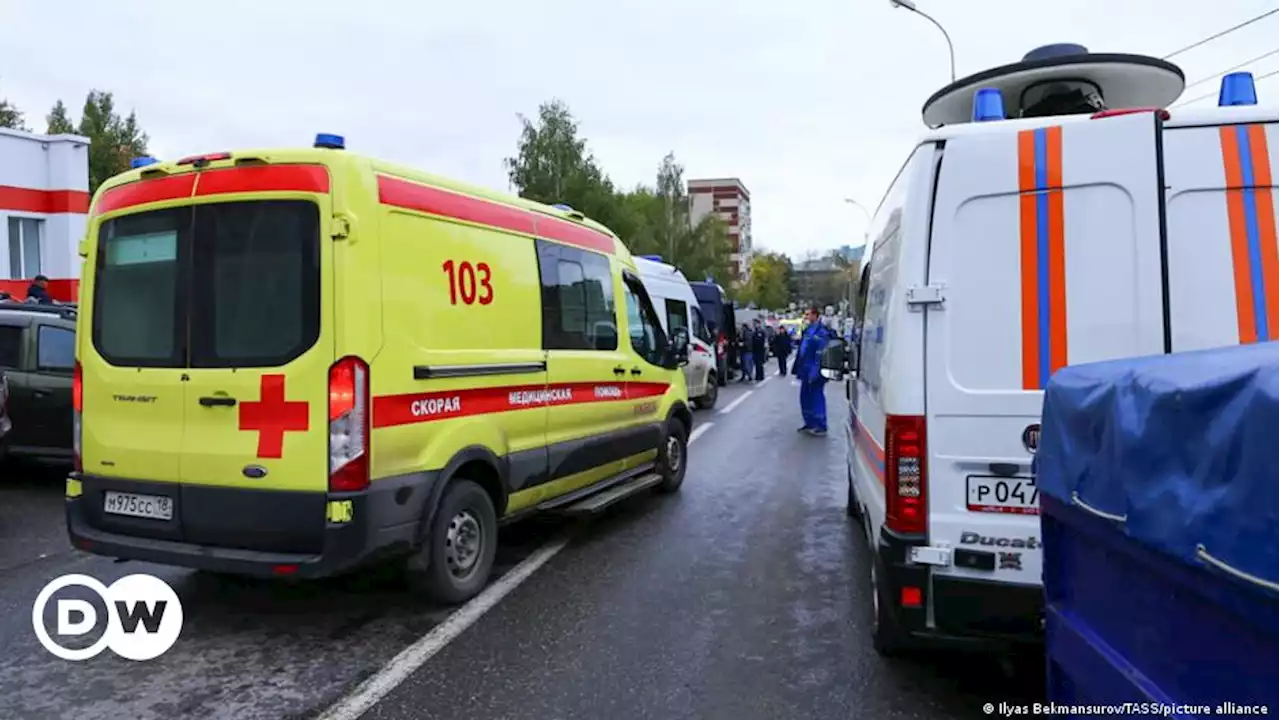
(446, 203)
(411, 408)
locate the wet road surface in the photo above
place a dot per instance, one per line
(741, 597)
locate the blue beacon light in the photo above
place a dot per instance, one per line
(1237, 89)
(330, 141)
(988, 105)
(655, 258)
(562, 206)
(143, 161)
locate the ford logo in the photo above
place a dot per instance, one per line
(254, 472)
(1031, 438)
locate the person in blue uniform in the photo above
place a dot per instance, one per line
(808, 368)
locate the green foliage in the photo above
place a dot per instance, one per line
(770, 284)
(553, 165)
(113, 141)
(58, 121)
(10, 116)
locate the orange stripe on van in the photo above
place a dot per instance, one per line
(1266, 219)
(1246, 322)
(1057, 252)
(1029, 260)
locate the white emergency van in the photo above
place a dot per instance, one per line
(678, 308)
(1010, 245)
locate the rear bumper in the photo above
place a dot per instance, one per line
(258, 533)
(967, 613)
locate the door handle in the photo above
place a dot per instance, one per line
(218, 401)
(636, 371)
(619, 370)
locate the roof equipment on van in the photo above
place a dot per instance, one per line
(330, 141)
(201, 160)
(1237, 89)
(142, 162)
(988, 104)
(655, 258)
(1061, 79)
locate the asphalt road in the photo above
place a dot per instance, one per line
(744, 596)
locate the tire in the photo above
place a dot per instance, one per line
(886, 637)
(709, 397)
(851, 507)
(445, 570)
(673, 457)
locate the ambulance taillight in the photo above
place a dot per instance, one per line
(348, 425)
(77, 408)
(905, 474)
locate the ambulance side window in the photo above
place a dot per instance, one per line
(577, 299)
(647, 338)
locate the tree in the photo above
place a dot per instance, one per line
(113, 141)
(10, 116)
(58, 122)
(769, 286)
(553, 165)
(699, 249)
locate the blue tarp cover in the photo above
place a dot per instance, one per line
(1184, 446)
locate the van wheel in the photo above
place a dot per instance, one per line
(886, 637)
(453, 563)
(673, 457)
(709, 397)
(851, 500)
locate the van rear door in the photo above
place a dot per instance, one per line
(1222, 233)
(1045, 244)
(261, 342)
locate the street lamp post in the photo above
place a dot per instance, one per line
(911, 5)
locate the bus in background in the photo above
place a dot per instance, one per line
(718, 312)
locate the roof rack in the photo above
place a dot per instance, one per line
(64, 310)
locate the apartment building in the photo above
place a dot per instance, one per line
(728, 198)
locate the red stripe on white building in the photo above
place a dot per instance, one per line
(44, 205)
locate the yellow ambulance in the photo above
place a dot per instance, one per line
(297, 362)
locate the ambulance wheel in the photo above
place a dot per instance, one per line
(453, 564)
(708, 399)
(886, 637)
(673, 457)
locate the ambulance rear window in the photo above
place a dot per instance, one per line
(221, 285)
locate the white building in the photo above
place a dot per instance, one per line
(729, 198)
(44, 204)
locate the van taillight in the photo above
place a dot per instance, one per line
(77, 407)
(906, 474)
(348, 425)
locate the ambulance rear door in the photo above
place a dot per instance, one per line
(1221, 198)
(1045, 250)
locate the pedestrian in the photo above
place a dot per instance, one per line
(38, 291)
(808, 368)
(746, 345)
(781, 342)
(759, 349)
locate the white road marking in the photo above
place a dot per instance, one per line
(416, 655)
(697, 432)
(736, 403)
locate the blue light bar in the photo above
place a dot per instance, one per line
(562, 206)
(331, 141)
(988, 105)
(655, 258)
(142, 162)
(1237, 89)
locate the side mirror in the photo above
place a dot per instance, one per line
(834, 360)
(678, 349)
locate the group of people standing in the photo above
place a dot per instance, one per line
(755, 342)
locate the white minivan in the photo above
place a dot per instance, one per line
(1004, 250)
(677, 307)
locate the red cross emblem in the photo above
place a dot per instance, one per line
(273, 416)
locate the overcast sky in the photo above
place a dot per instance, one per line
(807, 101)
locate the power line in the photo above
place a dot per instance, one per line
(1220, 73)
(1215, 36)
(1214, 94)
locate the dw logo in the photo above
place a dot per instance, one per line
(144, 617)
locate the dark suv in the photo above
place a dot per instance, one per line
(37, 356)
